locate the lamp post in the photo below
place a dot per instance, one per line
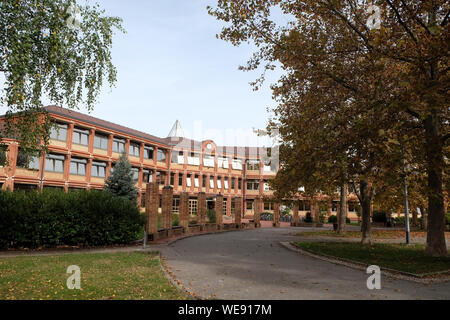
(405, 183)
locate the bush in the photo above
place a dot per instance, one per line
(175, 220)
(379, 216)
(447, 219)
(55, 218)
(308, 218)
(332, 219)
(211, 214)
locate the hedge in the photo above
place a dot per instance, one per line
(333, 219)
(55, 218)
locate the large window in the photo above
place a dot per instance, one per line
(219, 182)
(208, 161)
(189, 181)
(253, 185)
(178, 157)
(253, 165)
(224, 206)
(239, 184)
(196, 181)
(25, 161)
(204, 178)
(172, 179)
(100, 142)
(118, 145)
(58, 132)
(225, 183)
(193, 205)
(2, 157)
(135, 174)
(180, 179)
(78, 166)
(194, 159)
(161, 155)
(135, 150)
(161, 178)
(223, 163)
(304, 205)
(98, 169)
(148, 152)
(147, 176)
(233, 183)
(80, 137)
(236, 164)
(54, 163)
(211, 182)
(176, 205)
(268, 206)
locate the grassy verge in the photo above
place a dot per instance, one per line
(394, 256)
(105, 276)
(376, 234)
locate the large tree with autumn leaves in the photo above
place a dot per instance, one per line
(54, 49)
(392, 83)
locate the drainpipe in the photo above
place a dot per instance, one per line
(244, 187)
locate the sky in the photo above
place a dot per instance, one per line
(171, 66)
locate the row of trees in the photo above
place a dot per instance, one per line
(360, 102)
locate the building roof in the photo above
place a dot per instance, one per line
(177, 131)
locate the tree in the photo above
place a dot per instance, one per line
(51, 49)
(121, 182)
(397, 75)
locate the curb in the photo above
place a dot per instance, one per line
(395, 274)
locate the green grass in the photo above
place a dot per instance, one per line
(394, 256)
(104, 276)
(376, 234)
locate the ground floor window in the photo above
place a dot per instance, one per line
(18, 187)
(176, 205)
(193, 206)
(268, 206)
(249, 205)
(233, 207)
(225, 206)
(353, 206)
(304, 205)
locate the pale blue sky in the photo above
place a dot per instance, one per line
(171, 66)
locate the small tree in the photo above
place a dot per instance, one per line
(120, 182)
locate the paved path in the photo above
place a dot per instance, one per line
(252, 265)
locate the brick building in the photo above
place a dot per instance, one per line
(83, 150)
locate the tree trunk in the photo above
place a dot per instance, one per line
(414, 218)
(424, 218)
(366, 200)
(436, 245)
(343, 210)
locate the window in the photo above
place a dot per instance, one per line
(172, 179)
(225, 206)
(118, 145)
(219, 182)
(148, 152)
(253, 185)
(240, 184)
(98, 169)
(2, 157)
(135, 174)
(135, 150)
(211, 182)
(178, 157)
(233, 207)
(25, 188)
(196, 181)
(203, 181)
(353, 206)
(268, 206)
(304, 205)
(193, 204)
(54, 163)
(222, 163)
(100, 142)
(78, 166)
(80, 137)
(147, 176)
(180, 179)
(233, 183)
(225, 183)
(189, 180)
(236, 164)
(58, 132)
(26, 161)
(253, 165)
(176, 205)
(194, 159)
(249, 205)
(161, 178)
(161, 155)
(208, 161)
(334, 206)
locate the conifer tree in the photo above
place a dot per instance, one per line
(121, 182)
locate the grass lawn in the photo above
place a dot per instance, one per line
(394, 256)
(376, 234)
(105, 276)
